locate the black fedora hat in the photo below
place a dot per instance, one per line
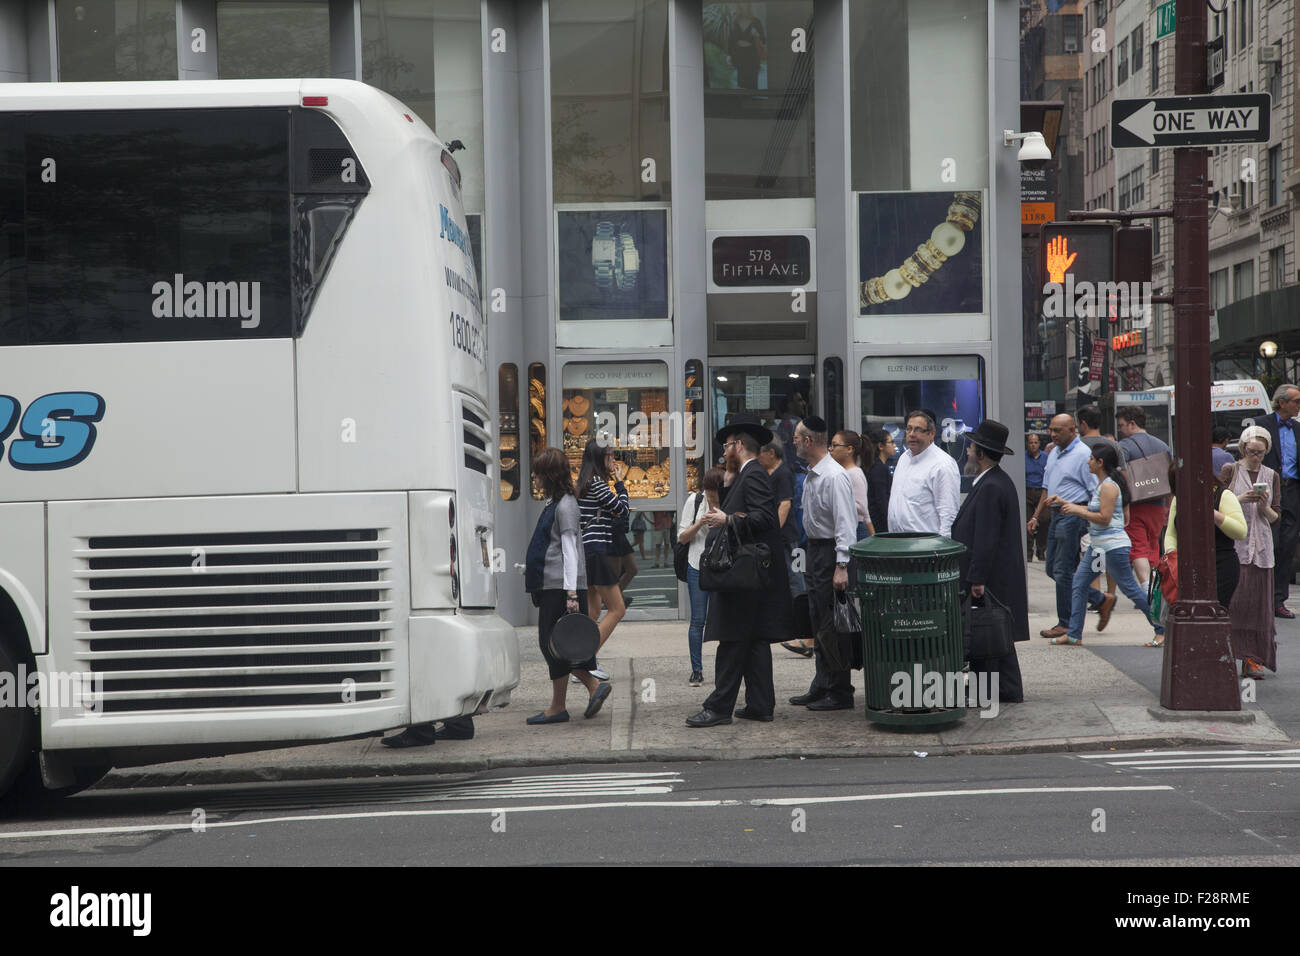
(748, 423)
(992, 435)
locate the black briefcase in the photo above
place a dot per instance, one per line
(986, 627)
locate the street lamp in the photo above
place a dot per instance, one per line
(1268, 348)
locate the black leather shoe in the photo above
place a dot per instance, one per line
(458, 728)
(417, 735)
(830, 703)
(707, 718)
(808, 698)
(745, 714)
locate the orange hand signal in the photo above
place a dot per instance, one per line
(1057, 263)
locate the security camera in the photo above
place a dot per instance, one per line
(1033, 148)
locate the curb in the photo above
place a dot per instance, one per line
(128, 778)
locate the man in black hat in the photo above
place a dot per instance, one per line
(988, 523)
(746, 623)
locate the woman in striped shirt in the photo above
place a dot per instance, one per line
(599, 505)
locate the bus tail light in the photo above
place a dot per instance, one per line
(315, 101)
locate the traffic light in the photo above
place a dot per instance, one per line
(1075, 252)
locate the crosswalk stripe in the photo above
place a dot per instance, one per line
(1180, 753)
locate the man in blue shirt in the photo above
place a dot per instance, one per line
(1068, 480)
(1035, 461)
(1281, 458)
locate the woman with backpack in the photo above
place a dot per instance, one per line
(557, 578)
(692, 532)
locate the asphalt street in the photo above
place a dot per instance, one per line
(1207, 806)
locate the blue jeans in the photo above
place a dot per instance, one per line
(1062, 560)
(699, 610)
(1118, 567)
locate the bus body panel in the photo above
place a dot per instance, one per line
(163, 654)
(175, 418)
(22, 567)
(461, 651)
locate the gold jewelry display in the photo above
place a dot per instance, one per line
(946, 240)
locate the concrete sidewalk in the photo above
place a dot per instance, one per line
(1074, 700)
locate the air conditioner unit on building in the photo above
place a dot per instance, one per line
(1270, 54)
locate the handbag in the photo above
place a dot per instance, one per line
(986, 628)
(728, 565)
(682, 552)
(846, 614)
(1148, 477)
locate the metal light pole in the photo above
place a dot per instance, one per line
(1199, 671)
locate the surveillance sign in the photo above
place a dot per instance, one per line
(1189, 121)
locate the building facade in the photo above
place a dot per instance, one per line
(683, 211)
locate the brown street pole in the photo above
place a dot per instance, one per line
(1199, 671)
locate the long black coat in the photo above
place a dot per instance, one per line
(752, 616)
(989, 525)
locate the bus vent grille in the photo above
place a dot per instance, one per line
(236, 620)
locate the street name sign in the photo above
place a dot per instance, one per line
(1189, 121)
(1166, 18)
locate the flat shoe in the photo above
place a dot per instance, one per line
(797, 648)
(1055, 631)
(1156, 642)
(598, 698)
(1103, 612)
(1065, 640)
(707, 718)
(744, 714)
(560, 718)
(829, 703)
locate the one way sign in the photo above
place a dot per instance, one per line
(1189, 121)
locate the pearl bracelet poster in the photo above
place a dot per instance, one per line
(613, 263)
(920, 253)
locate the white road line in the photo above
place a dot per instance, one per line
(800, 801)
(1208, 761)
(631, 804)
(373, 815)
(1218, 766)
(1181, 753)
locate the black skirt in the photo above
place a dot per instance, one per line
(599, 572)
(620, 545)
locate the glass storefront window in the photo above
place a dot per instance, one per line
(951, 387)
(919, 94)
(508, 430)
(270, 40)
(609, 100)
(123, 40)
(625, 403)
(430, 56)
(536, 416)
(780, 394)
(758, 100)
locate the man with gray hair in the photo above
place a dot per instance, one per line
(1281, 457)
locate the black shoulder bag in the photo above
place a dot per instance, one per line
(728, 565)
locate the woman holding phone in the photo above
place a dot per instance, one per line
(1254, 634)
(600, 505)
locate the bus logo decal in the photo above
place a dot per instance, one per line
(57, 430)
(208, 300)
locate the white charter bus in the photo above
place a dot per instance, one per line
(246, 462)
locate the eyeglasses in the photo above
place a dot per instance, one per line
(914, 430)
(728, 444)
(1257, 453)
(839, 445)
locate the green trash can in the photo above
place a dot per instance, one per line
(913, 658)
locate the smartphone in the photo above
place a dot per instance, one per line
(1260, 487)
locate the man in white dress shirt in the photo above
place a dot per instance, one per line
(830, 521)
(927, 483)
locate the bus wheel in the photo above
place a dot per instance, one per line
(17, 726)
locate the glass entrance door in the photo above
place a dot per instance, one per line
(778, 391)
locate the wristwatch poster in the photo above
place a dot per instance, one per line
(613, 263)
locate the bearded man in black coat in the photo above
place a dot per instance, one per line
(746, 623)
(994, 561)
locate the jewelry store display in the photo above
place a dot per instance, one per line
(947, 239)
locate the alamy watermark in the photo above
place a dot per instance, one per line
(920, 688)
(1084, 300)
(66, 690)
(638, 429)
